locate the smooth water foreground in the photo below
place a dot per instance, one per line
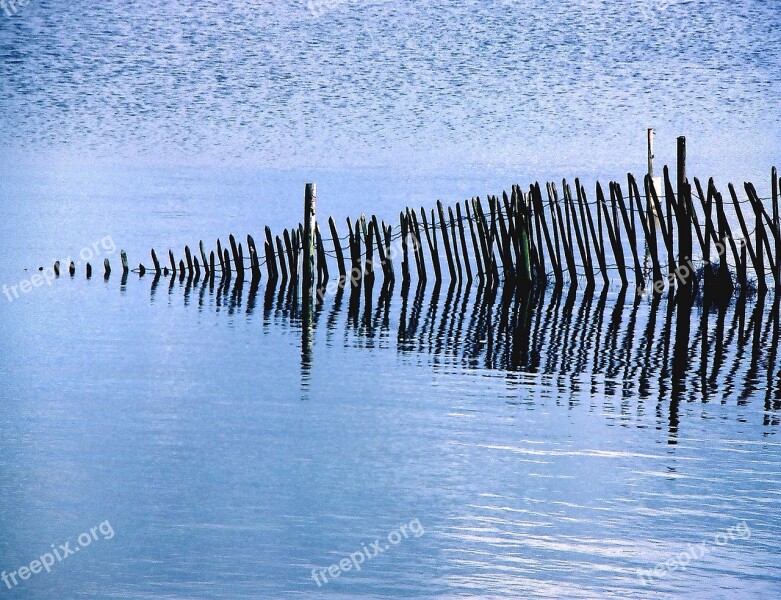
(555, 446)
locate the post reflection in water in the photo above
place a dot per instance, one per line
(662, 351)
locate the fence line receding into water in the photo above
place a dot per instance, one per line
(646, 233)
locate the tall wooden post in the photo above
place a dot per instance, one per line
(651, 153)
(310, 200)
(684, 216)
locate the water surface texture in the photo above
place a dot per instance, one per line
(562, 445)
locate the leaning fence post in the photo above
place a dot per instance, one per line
(337, 248)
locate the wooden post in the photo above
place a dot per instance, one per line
(310, 204)
(368, 235)
(173, 262)
(684, 215)
(759, 211)
(238, 261)
(337, 248)
(483, 237)
(583, 224)
(467, 266)
(72, 268)
(613, 232)
(505, 246)
(204, 262)
(489, 235)
(455, 242)
(282, 261)
(226, 260)
(271, 262)
(254, 258)
(445, 240)
(270, 266)
(651, 133)
(356, 273)
(322, 264)
(189, 257)
(540, 211)
(290, 255)
(89, 271)
(357, 276)
(759, 231)
(211, 264)
(220, 255)
(725, 235)
(599, 247)
(573, 219)
(475, 243)
(432, 244)
(404, 225)
(759, 269)
(667, 234)
(534, 218)
(123, 256)
(388, 258)
(418, 246)
(555, 228)
(524, 268)
(106, 268)
(647, 223)
(568, 249)
(156, 262)
(379, 234)
(631, 235)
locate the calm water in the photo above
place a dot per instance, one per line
(548, 447)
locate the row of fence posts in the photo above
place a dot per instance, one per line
(524, 241)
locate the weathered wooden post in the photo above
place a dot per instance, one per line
(683, 215)
(282, 262)
(337, 248)
(651, 133)
(310, 200)
(156, 262)
(524, 270)
(189, 257)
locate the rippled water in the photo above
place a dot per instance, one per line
(555, 446)
(549, 447)
(425, 85)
